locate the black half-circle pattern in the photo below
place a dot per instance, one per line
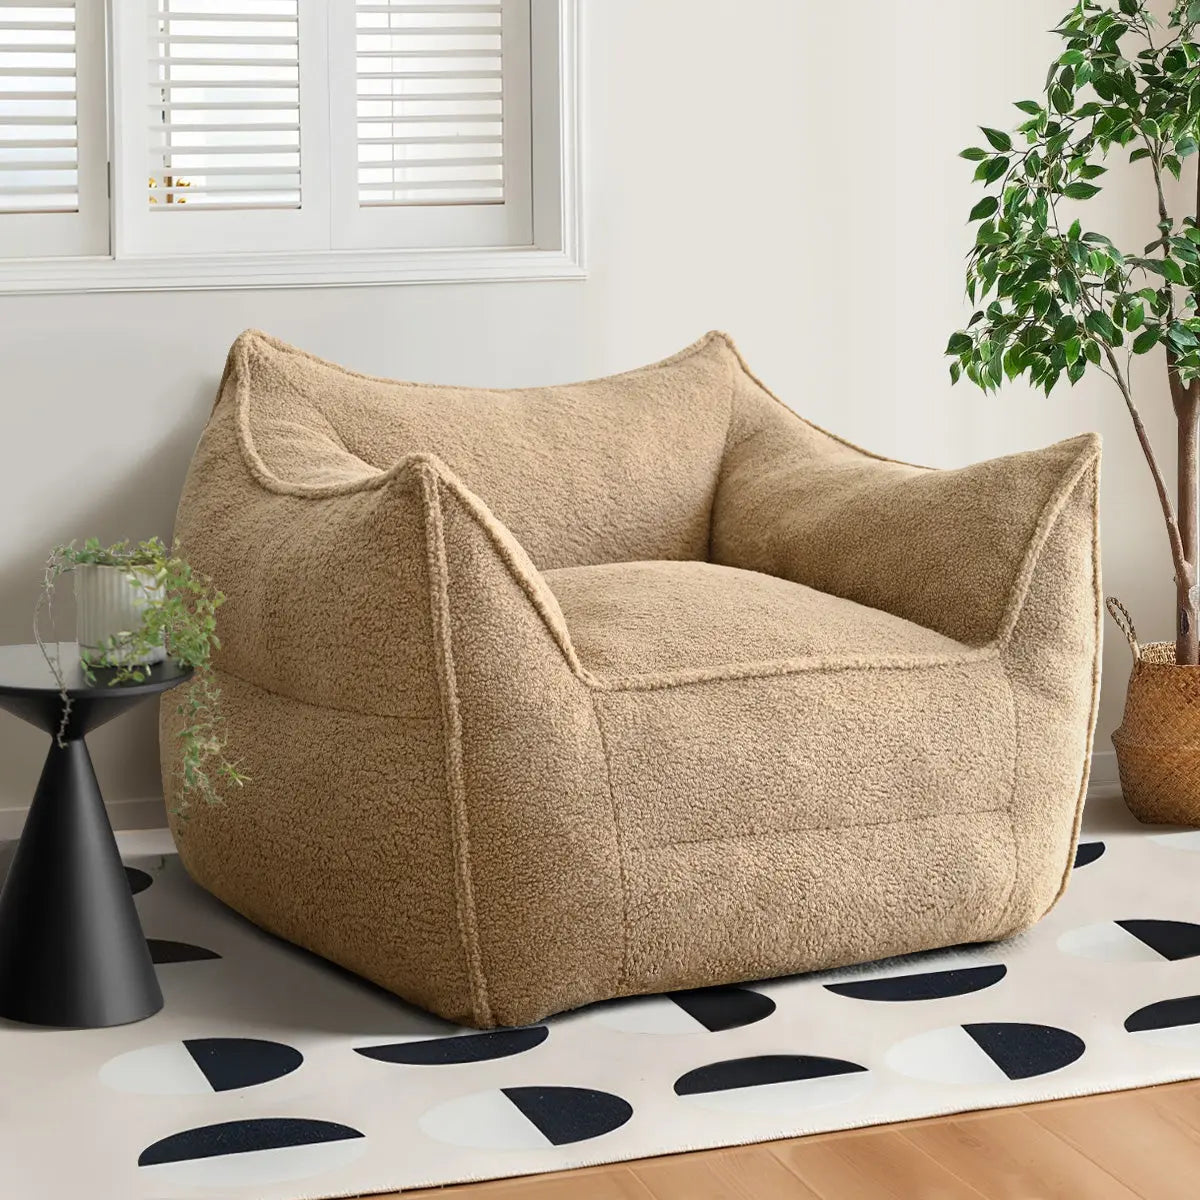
(241, 1137)
(1088, 852)
(1023, 1051)
(928, 985)
(139, 880)
(759, 1070)
(232, 1063)
(463, 1048)
(570, 1114)
(1174, 940)
(164, 951)
(721, 1008)
(1165, 1014)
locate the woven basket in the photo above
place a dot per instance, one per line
(1158, 742)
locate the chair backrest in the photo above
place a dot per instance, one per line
(612, 470)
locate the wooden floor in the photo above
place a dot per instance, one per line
(1113, 1147)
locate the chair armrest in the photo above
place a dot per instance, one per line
(328, 586)
(950, 550)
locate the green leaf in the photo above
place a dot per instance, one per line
(1092, 352)
(1129, 7)
(1146, 340)
(1080, 191)
(1185, 146)
(985, 208)
(1099, 324)
(1135, 318)
(1139, 154)
(1061, 98)
(1193, 12)
(1172, 271)
(973, 153)
(1072, 348)
(959, 343)
(955, 372)
(994, 169)
(1072, 58)
(999, 139)
(1029, 106)
(1074, 231)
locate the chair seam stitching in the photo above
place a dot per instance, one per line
(781, 668)
(1011, 807)
(1089, 737)
(622, 871)
(439, 605)
(785, 830)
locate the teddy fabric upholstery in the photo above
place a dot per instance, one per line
(555, 694)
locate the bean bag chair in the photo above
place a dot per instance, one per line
(556, 694)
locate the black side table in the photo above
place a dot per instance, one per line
(72, 951)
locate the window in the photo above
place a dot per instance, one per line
(276, 142)
(53, 157)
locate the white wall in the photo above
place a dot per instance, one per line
(772, 167)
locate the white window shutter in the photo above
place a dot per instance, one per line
(430, 113)
(53, 136)
(221, 113)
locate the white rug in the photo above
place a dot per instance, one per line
(271, 1074)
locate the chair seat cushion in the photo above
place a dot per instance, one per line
(648, 617)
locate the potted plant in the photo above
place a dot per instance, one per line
(137, 604)
(1056, 299)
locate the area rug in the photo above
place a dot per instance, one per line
(271, 1074)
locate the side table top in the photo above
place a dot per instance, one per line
(25, 672)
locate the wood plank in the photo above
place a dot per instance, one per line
(1181, 1100)
(614, 1182)
(738, 1173)
(1148, 1148)
(1007, 1154)
(875, 1164)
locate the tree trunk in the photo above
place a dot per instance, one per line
(1188, 624)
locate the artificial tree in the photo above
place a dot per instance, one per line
(1057, 300)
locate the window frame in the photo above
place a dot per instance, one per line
(86, 230)
(556, 250)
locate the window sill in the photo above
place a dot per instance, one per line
(348, 268)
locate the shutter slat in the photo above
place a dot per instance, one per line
(58, 150)
(205, 172)
(492, 52)
(427, 140)
(427, 97)
(214, 39)
(392, 56)
(430, 118)
(246, 85)
(428, 9)
(192, 161)
(246, 127)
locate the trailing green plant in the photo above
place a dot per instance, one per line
(1057, 299)
(179, 614)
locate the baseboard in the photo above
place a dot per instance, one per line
(134, 813)
(1104, 780)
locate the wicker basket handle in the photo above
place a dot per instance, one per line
(1120, 614)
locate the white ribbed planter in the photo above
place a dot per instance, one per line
(109, 602)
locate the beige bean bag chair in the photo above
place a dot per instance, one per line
(557, 694)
